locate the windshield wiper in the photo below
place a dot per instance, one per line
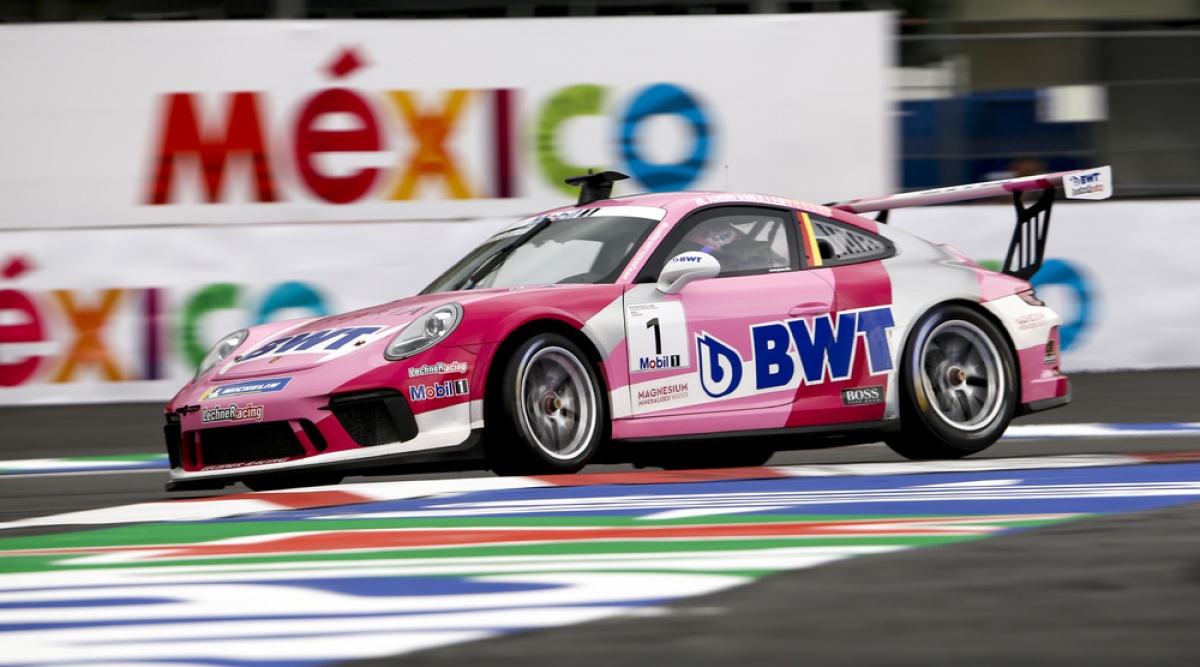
(492, 262)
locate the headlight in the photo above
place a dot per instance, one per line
(221, 350)
(424, 332)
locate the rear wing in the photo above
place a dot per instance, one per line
(1028, 245)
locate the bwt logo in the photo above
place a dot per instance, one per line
(798, 350)
(326, 340)
(339, 135)
(1085, 179)
(682, 259)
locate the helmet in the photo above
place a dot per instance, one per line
(729, 245)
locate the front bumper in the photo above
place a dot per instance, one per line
(360, 431)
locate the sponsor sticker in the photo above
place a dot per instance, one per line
(656, 336)
(329, 342)
(812, 351)
(725, 198)
(244, 388)
(662, 393)
(233, 413)
(1089, 184)
(1031, 321)
(862, 395)
(443, 389)
(247, 464)
(439, 368)
(567, 215)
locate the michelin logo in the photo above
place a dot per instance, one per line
(243, 388)
(808, 351)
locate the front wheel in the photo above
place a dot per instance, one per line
(957, 386)
(550, 418)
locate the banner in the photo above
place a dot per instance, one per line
(1122, 274)
(126, 314)
(240, 122)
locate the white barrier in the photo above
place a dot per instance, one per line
(110, 124)
(164, 183)
(1123, 274)
(126, 314)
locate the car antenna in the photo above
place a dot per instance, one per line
(595, 186)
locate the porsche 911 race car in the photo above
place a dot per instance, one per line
(689, 329)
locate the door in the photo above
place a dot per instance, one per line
(725, 343)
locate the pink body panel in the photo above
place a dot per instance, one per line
(792, 349)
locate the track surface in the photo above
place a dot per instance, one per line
(1115, 590)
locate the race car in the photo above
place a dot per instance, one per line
(687, 329)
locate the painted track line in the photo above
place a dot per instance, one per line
(158, 462)
(217, 507)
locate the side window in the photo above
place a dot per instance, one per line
(745, 240)
(838, 243)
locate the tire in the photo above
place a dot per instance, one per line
(958, 386)
(551, 415)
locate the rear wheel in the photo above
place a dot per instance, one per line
(550, 418)
(957, 386)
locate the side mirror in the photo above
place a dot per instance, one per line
(683, 269)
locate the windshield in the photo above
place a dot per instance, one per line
(549, 250)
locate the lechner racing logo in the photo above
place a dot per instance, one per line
(233, 413)
(1082, 184)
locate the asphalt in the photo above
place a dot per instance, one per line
(1112, 590)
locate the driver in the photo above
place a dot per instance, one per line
(732, 248)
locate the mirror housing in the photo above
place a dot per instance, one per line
(684, 268)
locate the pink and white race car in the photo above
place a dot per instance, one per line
(689, 329)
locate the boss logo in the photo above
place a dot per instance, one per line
(862, 396)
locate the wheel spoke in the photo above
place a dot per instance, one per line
(956, 348)
(962, 377)
(963, 401)
(934, 358)
(976, 381)
(558, 404)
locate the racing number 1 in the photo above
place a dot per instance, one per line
(657, 336)
(653, 324)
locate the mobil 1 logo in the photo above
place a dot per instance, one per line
(443, 389)
(656, 336)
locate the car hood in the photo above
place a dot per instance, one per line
(302, 344)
